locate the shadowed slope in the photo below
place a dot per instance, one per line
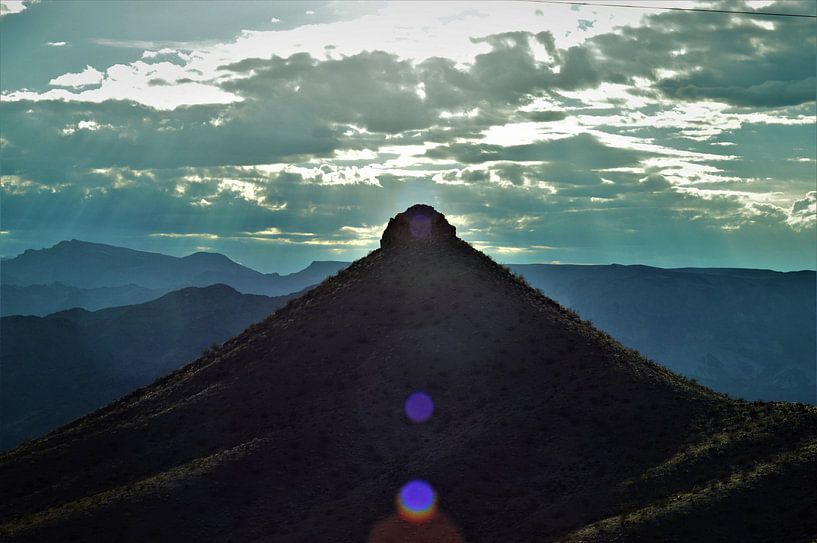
(294, 430)
(42, 300)
(65, 365)
(702, 323)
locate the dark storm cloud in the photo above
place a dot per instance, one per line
(161, 172)
(383, 93)
(373, 90)
(118, 32)
(300, 106)
(712, 85)
(546, 116)
(566, 180)
(291, 107)
(729, 59)
(508, 75)
(138, 136)
(583, 151)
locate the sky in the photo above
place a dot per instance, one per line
(282, 133)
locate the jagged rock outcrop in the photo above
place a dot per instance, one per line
(418, 224)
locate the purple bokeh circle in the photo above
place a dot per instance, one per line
(417, 496)
(420, 226)
(419, 407)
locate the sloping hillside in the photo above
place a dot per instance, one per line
(543, 429)
(65, 365)
(42, 300)
(702, 322)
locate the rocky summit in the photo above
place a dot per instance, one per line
(419, 224)
(424, 394)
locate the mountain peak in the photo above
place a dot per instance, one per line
(420, 223)
(205, 256)
(544, 429)
(74, 244)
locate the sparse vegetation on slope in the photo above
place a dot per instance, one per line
(60, 367)
(545, 429)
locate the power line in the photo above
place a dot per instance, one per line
(670, 8)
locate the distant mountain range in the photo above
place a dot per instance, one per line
(750, 333)
(60, 367)
(41, 300)
(538, 428)
(93, 265)
(703, 323)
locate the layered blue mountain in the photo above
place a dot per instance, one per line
(41, 300)
(749, 333)
(65, 365)
(94, 265)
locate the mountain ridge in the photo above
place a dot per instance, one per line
(95, 265)
(73, 361)
(701, 322)
(545, 429)
(42, 300)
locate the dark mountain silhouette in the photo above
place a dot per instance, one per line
(92, 265)
(41, 300)
(544, 429)
(307, 277)
(668, 315)
(702, 322)
(65, 365)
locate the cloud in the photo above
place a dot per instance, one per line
(546, 116)
(10, 7)
(668, 143)
(374, 90)
(104, 34)
(583, 150)
(195, 235)
(89, 76)
(691, 57)
(655, 181)
(703, 86)
(561, 223)
(803, 212)
(120, 82)
(143, 138)
(57, 43)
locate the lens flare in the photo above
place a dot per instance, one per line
(394, 529)
(419, 407)
(417, 501)
(420, 226)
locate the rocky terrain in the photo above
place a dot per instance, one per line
(544, 428)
